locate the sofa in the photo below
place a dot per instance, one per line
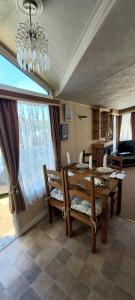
(126, 149)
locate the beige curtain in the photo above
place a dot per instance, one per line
(133, 125)
(55, 130)
(9, 143)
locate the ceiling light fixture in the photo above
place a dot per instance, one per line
(31, 41)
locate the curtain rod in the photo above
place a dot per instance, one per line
(18, 96)
(127, 110)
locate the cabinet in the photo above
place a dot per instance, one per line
(100, 123)
(99, 149)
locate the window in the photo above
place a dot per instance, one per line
(36, 149)
(3, 177)
(126, 132)
(12, 76)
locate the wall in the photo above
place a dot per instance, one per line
(80, 137)
(80, 132)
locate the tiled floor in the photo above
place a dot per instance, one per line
(45, 264)
(7, 231)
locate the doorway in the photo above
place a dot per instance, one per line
(7, 229)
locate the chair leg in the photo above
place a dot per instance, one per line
(50, 214)
(112, 206)
(93, 249)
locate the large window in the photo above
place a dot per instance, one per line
(36, 149)
(126, 131)
(12, 76)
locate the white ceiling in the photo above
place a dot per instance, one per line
(106, 72)
(91, 48)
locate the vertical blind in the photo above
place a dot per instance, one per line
(36, 149)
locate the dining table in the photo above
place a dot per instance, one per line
(102, 191)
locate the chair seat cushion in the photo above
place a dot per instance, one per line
(84, 206)
(57, 194)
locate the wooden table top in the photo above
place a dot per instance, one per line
(100, 191)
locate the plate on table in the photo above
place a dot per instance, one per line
(104, 170)
(82, 166)
(97, 181)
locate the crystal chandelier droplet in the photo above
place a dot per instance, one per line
(32, 47)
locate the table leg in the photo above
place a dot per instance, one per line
(119, 197)
(104, 223)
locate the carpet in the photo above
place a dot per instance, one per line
(128, 194)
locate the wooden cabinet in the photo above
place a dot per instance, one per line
(99, 149)
(100, 123)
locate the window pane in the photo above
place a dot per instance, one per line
(12, 76)
(3, 177)
(126, 132)
(36, 149)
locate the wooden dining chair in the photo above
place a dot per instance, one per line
(55, 193)
(115, 162)
(86, 156)
(82, 205)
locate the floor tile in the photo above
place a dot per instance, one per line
(55, 293)
(1, 288)
(61, 238)
(79, 291)
(120, 294)
(75, 265)
(6, 276)
(42, 284)
(63, 256)
(83, 252)
(31, 273)
(27, 243)
(104, 287)
(23, 262)
(110, 270)
(5, 296)
(88, 276)
(65, 280)
(126, 282)
(34, 251)
(30, 294)
(72, 245)
(47, 265)
(95, 261)
(17, 288)
(54, 268)
(94, 296)
(128, 265)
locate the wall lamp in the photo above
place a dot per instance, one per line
(82, 117)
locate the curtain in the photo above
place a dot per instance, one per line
(126, 132)
(133, 125)
(9, 143)
(55, 130)
(114, 134)
(36, 149)
(119, 120)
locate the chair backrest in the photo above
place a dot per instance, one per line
(53, 179)
(86, 156)
(68, 159)
(84, 189)
(115, 162)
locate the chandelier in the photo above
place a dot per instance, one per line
(31, 41)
